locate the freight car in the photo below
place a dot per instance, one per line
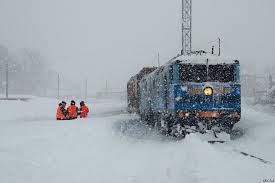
(133, 94)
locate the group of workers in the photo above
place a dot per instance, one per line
(72, 112)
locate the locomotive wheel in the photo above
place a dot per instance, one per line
(178, 131)
(228, 126)
(164, 129)
(150, 119)
(228, 129)
(157, 122)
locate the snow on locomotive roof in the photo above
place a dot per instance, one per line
(202, 59)
(196, 59)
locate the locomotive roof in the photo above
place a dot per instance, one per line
(202, 59)
(197, 59)
(143, 72)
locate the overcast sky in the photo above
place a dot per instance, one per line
(113, 39)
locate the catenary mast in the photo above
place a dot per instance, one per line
(186, 27)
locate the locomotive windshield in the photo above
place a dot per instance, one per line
(193, 73)
(221, 73)
(198, 73)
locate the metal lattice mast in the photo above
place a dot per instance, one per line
(186, 27)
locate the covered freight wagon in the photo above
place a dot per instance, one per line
(133, 89)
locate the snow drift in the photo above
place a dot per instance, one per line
(115, 147)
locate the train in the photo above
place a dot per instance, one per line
(133, 90)
(195, 93)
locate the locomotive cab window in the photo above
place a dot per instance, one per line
(171, 73)
(193, 73)
(198, 73)
(222, 73)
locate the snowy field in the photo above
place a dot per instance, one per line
(114, 147)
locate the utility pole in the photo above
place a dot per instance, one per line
(106, 86)
(86, 89)
(7, 78)
(186, 27)
(158, 60)
(212, 50)
(58, 86)
(219, 46)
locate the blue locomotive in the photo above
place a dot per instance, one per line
(192, 93)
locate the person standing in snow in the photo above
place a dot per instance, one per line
(72, 110)
(84, 110)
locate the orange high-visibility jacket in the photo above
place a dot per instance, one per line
(72, 111)
(84, 111)
(59, 114)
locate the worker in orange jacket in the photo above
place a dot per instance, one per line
(61, 112)
(72, 110)
(84, 110)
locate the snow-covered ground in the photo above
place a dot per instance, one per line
(114, 147)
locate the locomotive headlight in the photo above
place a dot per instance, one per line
(208, 91)
(184, 114)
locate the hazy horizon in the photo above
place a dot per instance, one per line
(113, 40)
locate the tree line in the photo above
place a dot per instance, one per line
(27, 71)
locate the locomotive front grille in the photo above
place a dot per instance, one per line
(208, 114)
(200, 99)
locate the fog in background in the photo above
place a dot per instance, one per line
(112, 40)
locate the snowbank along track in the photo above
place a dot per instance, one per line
(138, 130)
